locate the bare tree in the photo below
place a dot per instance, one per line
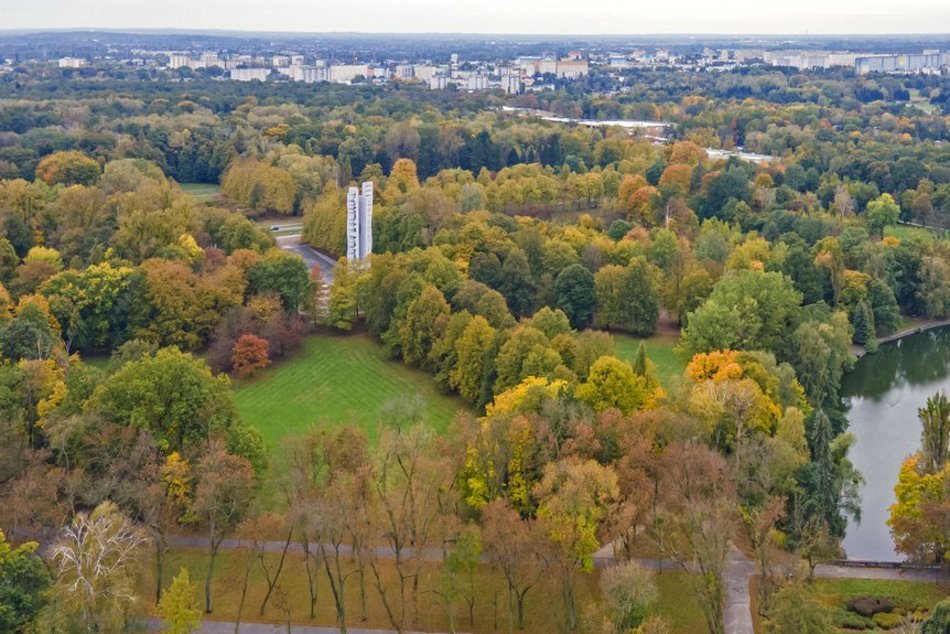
(696, 520)
(223, 495)
(98, 558)
(517, 547)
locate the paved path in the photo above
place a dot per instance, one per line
(737, 607)
(227, 627)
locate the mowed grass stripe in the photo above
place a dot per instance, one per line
(334, 380)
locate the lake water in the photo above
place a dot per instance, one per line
(884, 392)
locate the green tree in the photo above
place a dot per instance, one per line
(574, 292)
(747, 310)
(24, 581)
(474, 367)
(517, 283)
(881, 212)
(939, 620)
(425, 321)
(172, 394)
(285, 274)
(935, 437)
(627, 297)
(179, 606)
(612, 383)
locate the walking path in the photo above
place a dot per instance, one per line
(737, 608)
(227, 627)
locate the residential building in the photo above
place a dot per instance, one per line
(250, 74)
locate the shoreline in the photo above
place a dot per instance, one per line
(860, 351)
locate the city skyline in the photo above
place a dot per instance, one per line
(606, 17)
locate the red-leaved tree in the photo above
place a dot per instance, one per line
(250, 353)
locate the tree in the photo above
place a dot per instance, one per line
(920, 518)
(795, 611)
(458, 573)
(613, 383)
(627, 297)
(24, 581)
(935, 436)
(425, 322)
(881, 212)
(747, 310)
(516, 546)
(179, 607)
(574, 290)
(629, 596)
(939, 620)
(250, 353)
(172, 394)
(68, 168)
(283, 273)
(696, 520)
(575, 499)
(517, 283)
(475, 350)
(98, 559)
(223, 494)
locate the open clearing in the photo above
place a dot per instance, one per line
(336, 379)
(659, 349)
(202, 192)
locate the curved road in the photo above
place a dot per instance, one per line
(311, 256)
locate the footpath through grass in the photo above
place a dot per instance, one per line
(337, 379)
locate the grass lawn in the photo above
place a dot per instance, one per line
(909, 596)
(544, 611)
(337, 379)
(202, 192)
(659, 349)
(906, 232)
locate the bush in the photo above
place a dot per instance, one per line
(888, 621)
(869, 606)
(846, 620)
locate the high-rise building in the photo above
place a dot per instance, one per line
(359, 222)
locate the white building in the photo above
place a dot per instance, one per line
(345, 73)
(359, 222)
(71, 62)
(250, 74)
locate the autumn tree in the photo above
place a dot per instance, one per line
(629, 596)
(517, 547)
(575, 499)
(179, 606)
(68, 168)
(627, 297)
(223, 493)
(250, 353)
(613, 383)
(695, 522)
(97, 560)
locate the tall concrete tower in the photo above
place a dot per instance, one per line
(359, 222)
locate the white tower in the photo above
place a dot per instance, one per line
(359, 222)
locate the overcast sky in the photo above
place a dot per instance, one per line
(490, 16)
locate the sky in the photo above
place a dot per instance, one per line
(490, 16)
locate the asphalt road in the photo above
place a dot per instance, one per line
(311, 256)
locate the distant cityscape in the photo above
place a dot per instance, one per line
(514, 75)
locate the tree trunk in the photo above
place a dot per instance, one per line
(160, 549)
(214, 554)
(310, 581)
(240, 610)
(271, 583)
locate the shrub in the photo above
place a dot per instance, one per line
(869, 606)
(888, 621)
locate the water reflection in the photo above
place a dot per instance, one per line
(883, 393)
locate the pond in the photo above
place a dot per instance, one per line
(883, 394)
